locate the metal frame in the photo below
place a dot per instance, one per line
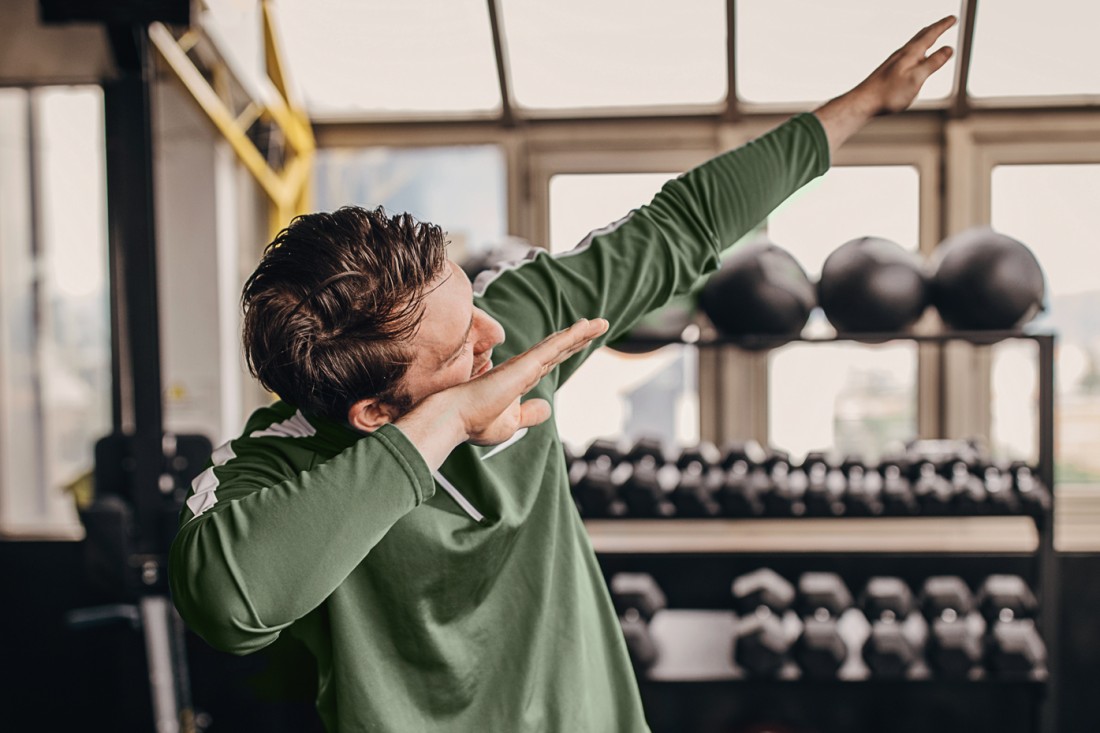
(287, 185)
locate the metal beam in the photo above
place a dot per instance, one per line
(132, 233)
(507, 113)
(960, 104)
(732, 112)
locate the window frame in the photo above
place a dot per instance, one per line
(974, 147)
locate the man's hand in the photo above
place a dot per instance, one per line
(487, 410)
(891, 87)
(490, 406)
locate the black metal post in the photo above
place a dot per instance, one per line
(130, 216)
(1050, 623)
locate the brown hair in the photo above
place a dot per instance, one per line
(335, 298)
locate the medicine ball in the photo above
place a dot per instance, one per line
(872, 284)
(986, 280)
(667, 323)
(759, 290)
(509, 249)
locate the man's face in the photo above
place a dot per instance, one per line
(455, 340)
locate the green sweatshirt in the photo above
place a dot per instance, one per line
(468, 599)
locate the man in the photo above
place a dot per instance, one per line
(404, 511)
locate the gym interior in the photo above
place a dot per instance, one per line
(851, 483)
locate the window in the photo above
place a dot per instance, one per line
(615, 395)
(1061, 58)
(55, 343)
(851, 398)
(356, 57)
(779, 61)
(460, 188)
(577, 54)
(1051, 208)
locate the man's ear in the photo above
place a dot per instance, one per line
(367, 415)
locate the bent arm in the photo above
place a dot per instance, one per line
(256, 553)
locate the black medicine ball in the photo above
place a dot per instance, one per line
(759, 290)
(986, 280)
(872, 284)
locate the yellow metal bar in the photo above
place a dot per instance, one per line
(217, 111)
(273, 56)
(299, 135)
(288, 110)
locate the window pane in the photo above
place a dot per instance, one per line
(615, 395)
(1018, 53)
(1051, 208)
(55, 351)
(852, 398)
(20, 433)
(370, 56)
(572, 53)
(461, 188)
(783, 61)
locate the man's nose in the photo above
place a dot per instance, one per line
(490, 332)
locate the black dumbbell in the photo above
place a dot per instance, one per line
(863, 494)
(1033, 496)
(766, 626)
(825, 486)
(1013, 647)
(894, 647)
(694, 493)
(651, 481)
(933, 493)
(637, 599)
(971, 496)
(821, 650)
(744, 483)
(897, 489)
(999, 489)
(787, 494)
(955, 639)
(596, 485)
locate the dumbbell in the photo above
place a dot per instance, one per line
(637, 599)
(999, 489)
(821, 650)
(647, 488)
(825, 486)
(787, 497)
(896, 642)
(1013, 647)
(767, 628)
(863, 495)
(1033, 496)
(971, 495)
(745, 482)
(596, 485)
(697, 470)
(955, 639)
(933, 493)
(897, 490)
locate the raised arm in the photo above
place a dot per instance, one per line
(891, 87)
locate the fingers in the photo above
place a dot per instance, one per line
(560, 346)
(521, 373)
(533, 412)
(927, 36)
(934, 62)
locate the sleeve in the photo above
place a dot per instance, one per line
(656, 252)
(261, 545)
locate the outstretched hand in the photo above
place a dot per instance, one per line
(897, 81)
(487, 409)
(489, 406)
(891, 87)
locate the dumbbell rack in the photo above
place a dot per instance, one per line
(693, 696)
